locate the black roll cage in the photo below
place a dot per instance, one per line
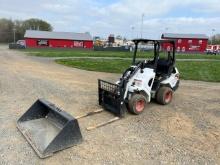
(157, 44)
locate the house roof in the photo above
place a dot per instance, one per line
(57, 35)
(175, 35)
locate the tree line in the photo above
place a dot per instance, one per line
(10, 27)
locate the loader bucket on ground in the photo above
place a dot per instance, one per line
(49, 129)
(111, 98)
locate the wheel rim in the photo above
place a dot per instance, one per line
(139, 106)
(168, 96)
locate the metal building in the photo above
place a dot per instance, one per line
(42, 39)
(187, 42)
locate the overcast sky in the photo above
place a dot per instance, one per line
(104, 17)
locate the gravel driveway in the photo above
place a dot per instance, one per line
(185, 132)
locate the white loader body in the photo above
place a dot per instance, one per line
(156, 78)
(143, 81)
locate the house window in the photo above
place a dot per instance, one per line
(178, 49)
(42, 42)
(78, 44)
(179, 41)
(200, 41)
(189, 41)
(183, 49)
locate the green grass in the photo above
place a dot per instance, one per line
(202, 71)
(78, 53)
(91, 53)
(112, 66)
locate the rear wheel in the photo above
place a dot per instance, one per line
(164, 95)
(137, 104)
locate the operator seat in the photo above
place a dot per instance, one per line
(165, 66)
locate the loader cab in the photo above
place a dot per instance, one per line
(166, 61)
(163, 60)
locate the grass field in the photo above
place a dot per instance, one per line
(91, 53)
(203, 71)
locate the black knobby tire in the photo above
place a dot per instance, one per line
(137, 103)
(164, 95)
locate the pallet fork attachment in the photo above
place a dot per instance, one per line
(102, 124)
(97, 125)
(111, 98)
(89, 114)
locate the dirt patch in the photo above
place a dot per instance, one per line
(178, 125)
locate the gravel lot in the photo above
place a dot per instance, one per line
(185, 132)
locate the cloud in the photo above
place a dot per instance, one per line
(103, 18)
(180, 25)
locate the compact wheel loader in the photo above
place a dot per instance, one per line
(142, 81)
(49, 129)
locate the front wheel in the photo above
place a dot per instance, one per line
(164, 95)
(137, 104)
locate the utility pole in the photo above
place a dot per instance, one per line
(14, 34)
(132, 30)
(213, 30)
(142, 20)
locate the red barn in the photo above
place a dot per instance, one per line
(187, 42)
(42, 39)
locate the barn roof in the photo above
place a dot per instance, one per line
(175, 35)
(57, 35)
